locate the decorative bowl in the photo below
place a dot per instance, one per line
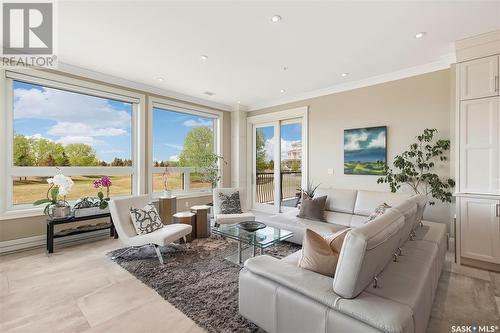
(251, 226)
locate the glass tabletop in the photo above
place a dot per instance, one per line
(262, 238)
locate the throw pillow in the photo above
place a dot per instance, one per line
(313, 209)
(337, 240)
(230, 204)
(317, 252)
(145, 220)
(380, 210)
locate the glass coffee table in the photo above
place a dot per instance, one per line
(260, 239)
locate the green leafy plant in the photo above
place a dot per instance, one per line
(414, 167)
(209, 167)
(309, 191)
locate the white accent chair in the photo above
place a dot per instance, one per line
(120, 212)
(230, 218)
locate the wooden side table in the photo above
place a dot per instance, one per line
(187, 218)
(202, 221)
(168, 207)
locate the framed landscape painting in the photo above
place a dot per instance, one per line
(365, 151)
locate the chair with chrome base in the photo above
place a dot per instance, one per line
(120, 212)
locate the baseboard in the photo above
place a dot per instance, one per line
(22, 244)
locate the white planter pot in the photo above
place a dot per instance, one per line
(90, 211)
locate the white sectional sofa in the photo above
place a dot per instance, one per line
(386, 277)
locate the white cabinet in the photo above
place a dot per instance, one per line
(479, 78)
(480, 229)
(479, 146)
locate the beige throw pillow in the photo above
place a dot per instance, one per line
(320, 254)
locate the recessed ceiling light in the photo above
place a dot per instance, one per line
(420, 34)
(285, 68)
(345, 74)
(204, 57)
(209, 93)
(275, 18)
(160, 79)
(282, 90)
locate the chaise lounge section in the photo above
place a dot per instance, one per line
(385, 280)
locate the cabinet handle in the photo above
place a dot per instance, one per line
(496, 83)
(498, 210)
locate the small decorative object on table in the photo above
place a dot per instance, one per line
(251, 226)
(166, 192)
(104, 182)
(57, 207)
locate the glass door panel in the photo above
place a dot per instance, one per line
(264, 185)
(290, 163)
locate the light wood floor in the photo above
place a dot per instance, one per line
(79, 289)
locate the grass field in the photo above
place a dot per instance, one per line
(28, 190)
(364, 168)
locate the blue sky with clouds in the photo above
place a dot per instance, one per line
(170, 129)
(290, 133)
(66, 117)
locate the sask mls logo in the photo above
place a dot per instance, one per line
(28, 34)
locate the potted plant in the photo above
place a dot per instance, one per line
(95, 205)
(56, 205)
(415, 168)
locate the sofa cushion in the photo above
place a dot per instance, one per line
(367, 201)
(289, 221)
(366, 251)
(234, 218)
(338, 200)
(338, 218)
(313, 209)
(411, 281)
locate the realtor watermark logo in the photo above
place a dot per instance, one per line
(28, 34)
(474, 328)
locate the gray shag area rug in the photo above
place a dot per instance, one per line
(197, 280)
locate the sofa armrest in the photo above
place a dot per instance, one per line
(310, 284)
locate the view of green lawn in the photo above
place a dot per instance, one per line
(28, 190)
(364, 168)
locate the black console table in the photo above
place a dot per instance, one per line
(52, 222)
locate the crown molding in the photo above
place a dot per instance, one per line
(443, 63)
(87, 73)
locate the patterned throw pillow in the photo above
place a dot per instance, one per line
(146, 220)
(230, 204)
(380, 210)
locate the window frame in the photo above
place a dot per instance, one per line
(8, 170)
(168, 105)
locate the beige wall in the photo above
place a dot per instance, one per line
(406, 107)
(34, 226)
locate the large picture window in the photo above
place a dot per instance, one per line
(56, 127)
(181, 142)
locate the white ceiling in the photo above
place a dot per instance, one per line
(141, 41)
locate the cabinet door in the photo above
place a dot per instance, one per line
(479, 78)
(479, 145)
(480, 229)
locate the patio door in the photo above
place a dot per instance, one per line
(277, 172)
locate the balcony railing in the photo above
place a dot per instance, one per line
(289, 189)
